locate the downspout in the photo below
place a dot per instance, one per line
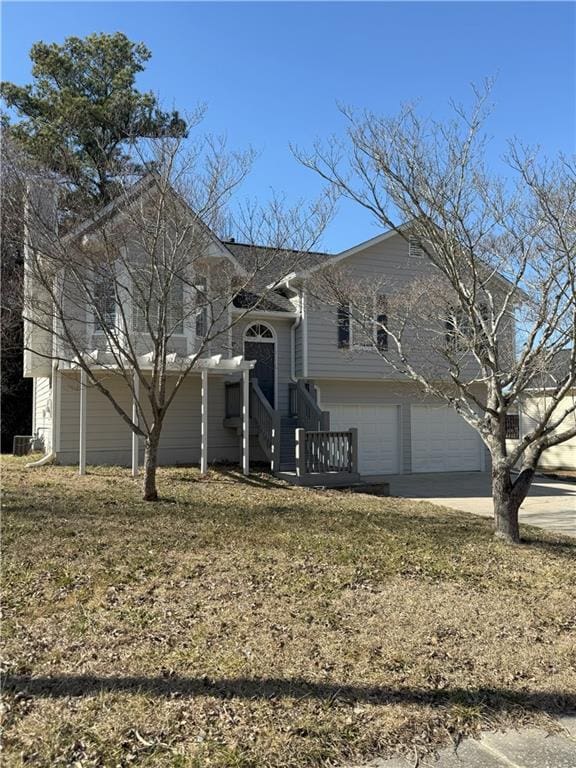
(304, 334)
(51, 456)
(293, 327)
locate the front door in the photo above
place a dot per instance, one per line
(259, 345)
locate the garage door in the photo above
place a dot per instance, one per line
(443, 442)
(378, 447)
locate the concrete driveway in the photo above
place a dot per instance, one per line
(551, 503)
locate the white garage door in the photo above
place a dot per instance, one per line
(443, 442)
(378, 446)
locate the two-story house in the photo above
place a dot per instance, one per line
(322, 402)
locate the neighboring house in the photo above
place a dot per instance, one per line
(562, 456)
(313, 372)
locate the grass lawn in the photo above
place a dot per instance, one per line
(251, 624)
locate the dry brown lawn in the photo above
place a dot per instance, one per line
(249, 624)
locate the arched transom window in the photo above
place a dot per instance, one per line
(259, 332)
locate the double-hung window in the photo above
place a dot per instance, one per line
(461, 333)
(153, 292)
(363, 324)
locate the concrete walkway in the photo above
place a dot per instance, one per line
(527, 748)
(551, 504)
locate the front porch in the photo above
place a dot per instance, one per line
(220, 415)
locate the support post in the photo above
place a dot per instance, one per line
(204, 428)
(82, 438)
(354, 450)
(135, 398)
(246, 422)
(300, 452)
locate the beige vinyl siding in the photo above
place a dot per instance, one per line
(561, 456)
(43, 410)
(283, 352)
(402, 394)
(108, 438)
(387, 267)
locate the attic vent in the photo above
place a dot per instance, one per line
(415, 247)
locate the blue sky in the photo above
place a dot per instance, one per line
(272, 73)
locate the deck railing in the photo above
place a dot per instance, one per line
(268, 421)
(324, 451)
(303, 405)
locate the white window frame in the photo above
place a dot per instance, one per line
(369, 345)
(264, 339)
(200, 287)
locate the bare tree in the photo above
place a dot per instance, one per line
(141, 272)
(492, 320)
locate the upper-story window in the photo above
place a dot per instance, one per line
(363, 326)
(462, 335)
(175, 323)
(149, 297)
(415, 249)
(104, 302)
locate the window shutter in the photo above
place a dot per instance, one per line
(381, 319)
(202, 323)
(105, 302)
(344, 326)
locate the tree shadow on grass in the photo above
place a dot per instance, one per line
(564, 548)
(497, 699)
(233, 476)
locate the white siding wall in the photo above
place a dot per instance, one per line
(561, 456)
(108, 439)
(43, 410)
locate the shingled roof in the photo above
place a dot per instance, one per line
(270, 265)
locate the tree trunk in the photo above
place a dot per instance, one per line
(506, 505)
(507, 497)
(150, 466)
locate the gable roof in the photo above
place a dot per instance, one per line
(137, 190)
(336, 258)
